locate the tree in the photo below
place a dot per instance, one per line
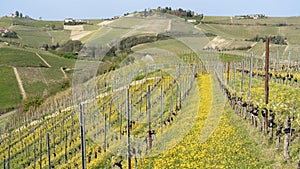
(52, 26)
(21, 15)
(189, 13)
(17, 14)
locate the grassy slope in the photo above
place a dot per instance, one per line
(10, 93)
(35, 33)
(38, 80)
(19, 58)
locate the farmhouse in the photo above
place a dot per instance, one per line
(71, 21)
(191, 20)
(4, 32)
(251, 16)
(12, 15)
(68, 20)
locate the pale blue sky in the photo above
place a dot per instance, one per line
(59, 9)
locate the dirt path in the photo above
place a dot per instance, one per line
(19, 82)
(169, 25)
(43, 60)
(77, 35)
(62, 70)
(52, 39)
(104, 23)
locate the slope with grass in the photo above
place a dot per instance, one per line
(10, 93)
(38, 79)
(35, 33)
(238, 30)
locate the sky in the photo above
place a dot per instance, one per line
(98, 9)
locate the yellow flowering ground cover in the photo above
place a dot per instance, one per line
(229, 146)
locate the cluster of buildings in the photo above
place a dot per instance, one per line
(251, 16)
(71, 21)
(4, 32)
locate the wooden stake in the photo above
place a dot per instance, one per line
(128, 128)
(267, 81)
(8, 154)
(250, 76)
(149, 117)
(82, 136)
(48, 150)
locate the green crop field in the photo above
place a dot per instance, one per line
(19, 58)
(10, 92)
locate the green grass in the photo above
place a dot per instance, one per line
(19, 58)
(104, 37)
(41, 81)
(59, 36)
(170, 45)
(31, 22)
(264, 21)
(90, 27)
(10, 93)
(239, 31)
(37, 79)
(35, 33)
(127, 22)
(219, 19)
(56, 61)
(32, 36)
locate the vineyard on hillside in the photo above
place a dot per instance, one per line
(147, 92)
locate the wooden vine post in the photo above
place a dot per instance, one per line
(228, 73)
(66, 147)
(149, 118)
(243, 73)
(267, 81)
(287, 138)
(161, 101)
(234, 77)
(82, 137)
(128, 128)
(250, 75)
(105, 133)
(8, 155)
(48, 150)
(120, 110)
(41, 152)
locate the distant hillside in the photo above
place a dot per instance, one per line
(231, 33)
